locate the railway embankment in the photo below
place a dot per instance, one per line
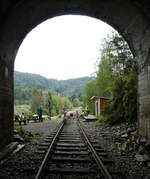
(122, 143)
(130, 153)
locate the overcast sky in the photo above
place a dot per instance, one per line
(63, 47)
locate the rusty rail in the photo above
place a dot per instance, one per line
(47, 156)
(96, 157)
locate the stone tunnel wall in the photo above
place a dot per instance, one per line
(144, 102)
(6, 104)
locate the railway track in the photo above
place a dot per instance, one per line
(68, 153)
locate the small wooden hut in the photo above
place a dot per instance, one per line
(99, 104)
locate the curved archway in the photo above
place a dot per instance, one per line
(131, 19)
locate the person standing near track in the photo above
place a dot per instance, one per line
(77, 115)
(39, 111)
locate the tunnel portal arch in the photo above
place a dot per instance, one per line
(19, 17)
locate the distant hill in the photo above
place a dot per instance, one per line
(69, 87)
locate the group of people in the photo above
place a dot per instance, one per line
(22, 119)
(38, 115)
(74, 115)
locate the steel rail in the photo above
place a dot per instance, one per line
(47, 156)
(96, 157)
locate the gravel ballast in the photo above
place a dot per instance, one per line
(23, 165)
(124, 161)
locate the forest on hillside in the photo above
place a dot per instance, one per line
(69, 87)
(25, 83)
(54, 96)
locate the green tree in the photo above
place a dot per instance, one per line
(49, 103)
(104, 77)
(122, 84)
(115, 78)
(76, 102)
(90, 89)
(36, 100)
(57, 109)
(65, 102)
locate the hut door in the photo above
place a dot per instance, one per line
(97, 109)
